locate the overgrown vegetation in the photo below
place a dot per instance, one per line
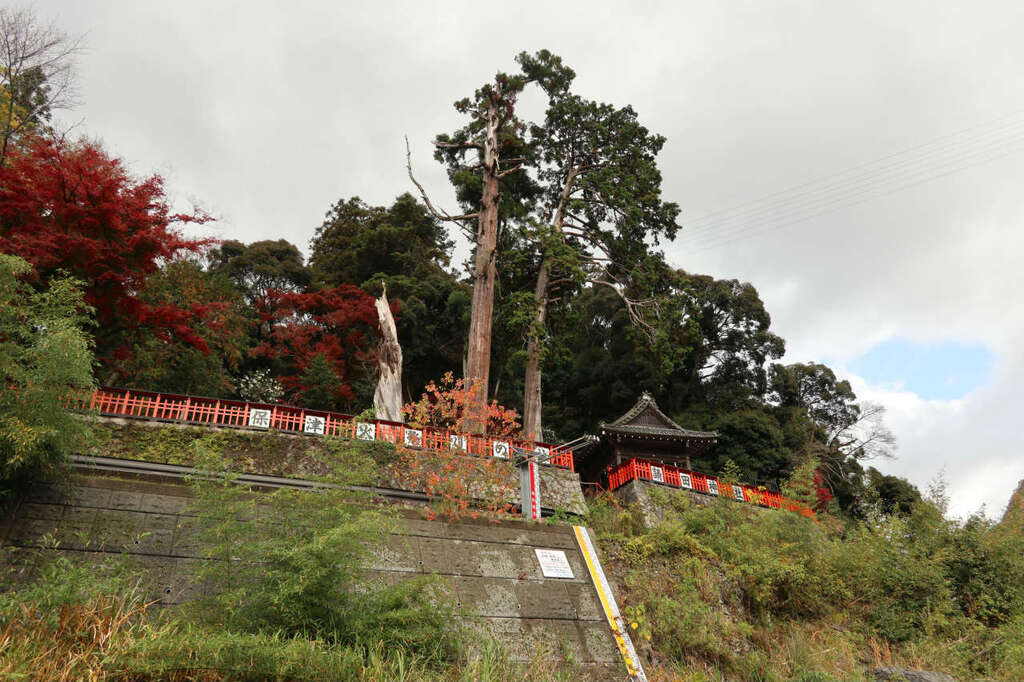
(721, 591)
(45, 352)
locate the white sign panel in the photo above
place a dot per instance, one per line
(500, 449)
(413, 438)
(365, 431)
(314, 425)
(737, 492)
(456, 442)
(553, 563)
(684, 480)
(657, 474)
(542, 454)
(712, 486)
(259, 419)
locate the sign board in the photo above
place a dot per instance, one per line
(712, 486)
(413, 438)
(314, 425)
(657, 474)
(737, 492)
(500, 449)
(684, 480)
(553, 563)
(457, 442)
(366, 431)
(259, 419)
(542, 453)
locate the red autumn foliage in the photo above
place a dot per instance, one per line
(338, 323)
(821, 490)
(69, 206)
(445, 407)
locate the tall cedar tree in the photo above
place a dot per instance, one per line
(493, 141)
(69, 207)
(338, 323)
(601, 205)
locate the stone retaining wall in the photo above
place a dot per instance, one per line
(489, 570)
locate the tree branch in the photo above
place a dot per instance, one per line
(440, 215)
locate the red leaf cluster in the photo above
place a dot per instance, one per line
(337, 323)
(446, 406)
(69, 206)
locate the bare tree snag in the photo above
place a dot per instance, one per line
(387, 399)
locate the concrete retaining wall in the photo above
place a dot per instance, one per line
(489, 570)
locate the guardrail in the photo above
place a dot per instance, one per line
(186, 409)
(642, 470)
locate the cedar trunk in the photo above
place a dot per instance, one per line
(532, 426)
(478, 361)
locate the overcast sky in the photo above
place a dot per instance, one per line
(860, 163)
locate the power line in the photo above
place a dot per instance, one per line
(753, 231)
(954, 139)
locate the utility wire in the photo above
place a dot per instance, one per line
(758, 229)
(963, 137)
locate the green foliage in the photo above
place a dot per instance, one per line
(320, 385)
(752, 594)
(404, 247)
(45, 355)
(81, 620)
(291, 563)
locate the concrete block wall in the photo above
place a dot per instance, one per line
(488, 570)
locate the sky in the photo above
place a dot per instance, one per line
(859, 163)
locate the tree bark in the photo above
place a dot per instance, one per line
(387, 399)
(478, 362)
(532, 426)
(532, 400)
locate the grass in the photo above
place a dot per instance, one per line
(720, 591)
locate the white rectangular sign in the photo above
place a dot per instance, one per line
(366, 431)
(737, 493)
(657, 474)
(553, 563)
(500, 449)
(414, 438)
(259, 418)
(712, 486)
(314, 425)
(456, 442)
(684, 480)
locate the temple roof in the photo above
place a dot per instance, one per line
(645, 419)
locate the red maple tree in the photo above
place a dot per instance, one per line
(68, 206)
(338, 323)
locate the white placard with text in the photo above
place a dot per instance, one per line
(314, 425)
(259, 419)
(553, 563)
(657, 474)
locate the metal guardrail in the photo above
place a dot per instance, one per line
(186, 409)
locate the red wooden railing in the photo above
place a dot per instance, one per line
(641, 469)
(186, 409)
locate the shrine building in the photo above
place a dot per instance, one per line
(643, 433)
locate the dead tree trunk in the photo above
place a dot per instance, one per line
(478, 362)
(387, 399)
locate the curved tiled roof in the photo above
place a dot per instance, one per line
(646, 419)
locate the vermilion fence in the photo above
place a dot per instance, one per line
(186, 409)
(641, 469)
